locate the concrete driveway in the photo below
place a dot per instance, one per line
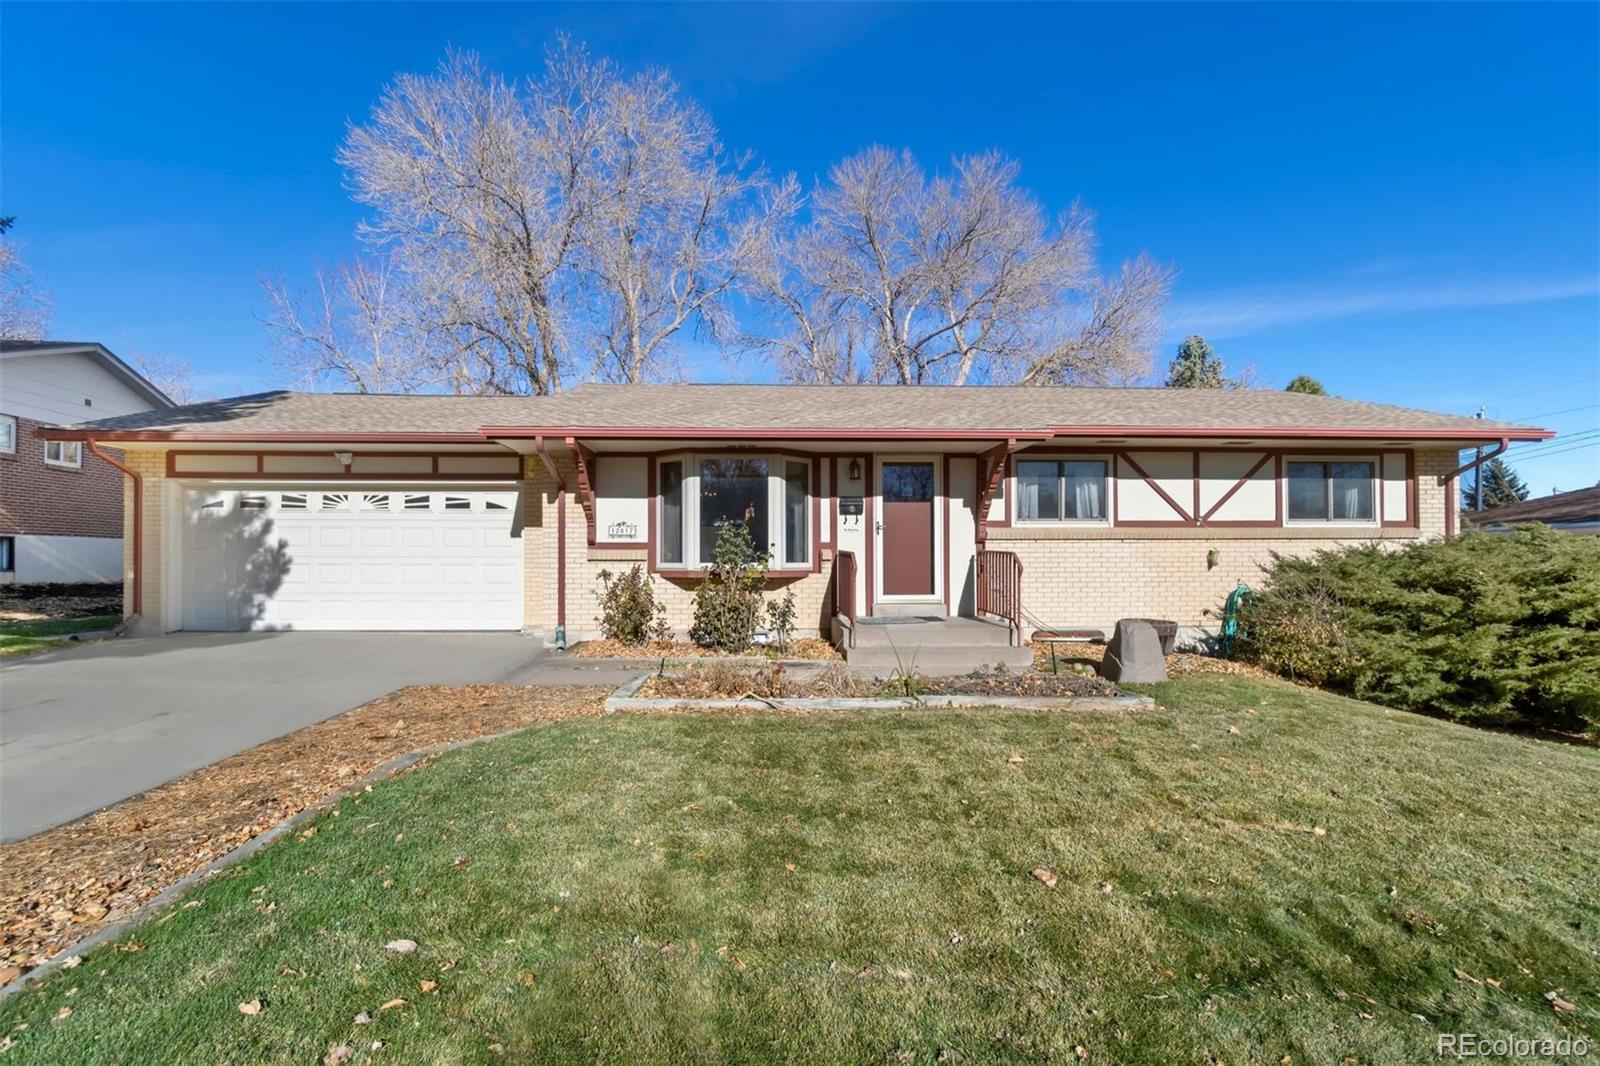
(84, 728)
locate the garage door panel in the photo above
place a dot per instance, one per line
(350, 560)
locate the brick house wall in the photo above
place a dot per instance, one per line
(41, 499)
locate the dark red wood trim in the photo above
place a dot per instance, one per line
(652, 532)
(343, 475)
(680, 574)
(816, 514)
(1195, 512)
(869, 488)
(585, 460)
(934, 434)
(992, 468)
(945, 494)
(833, 502)
(1187, 519)
(1266, 458)
(561, 556)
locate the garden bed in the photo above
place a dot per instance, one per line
(719, 685)
(810, 649)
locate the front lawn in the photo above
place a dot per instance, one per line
(1250, 873)
(25, 638)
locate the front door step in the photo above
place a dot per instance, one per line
(942, 647)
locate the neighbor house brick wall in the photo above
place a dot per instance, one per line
(812, 591)
(1091, 578)
(37, 498)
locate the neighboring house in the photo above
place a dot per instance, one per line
(60, 507)
(1577, 512)
(319, 511)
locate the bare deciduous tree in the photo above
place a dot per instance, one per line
(350, 331)
(24, 307)
(901, 278)
(169, 373)
(671, 224)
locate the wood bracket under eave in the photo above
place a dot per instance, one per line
(585, 459)
(991, 471)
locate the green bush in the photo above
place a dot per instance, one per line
(1494, 628)
(727, 604)
(629, 610)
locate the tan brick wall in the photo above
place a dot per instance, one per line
(1093, 578)
(152, 468)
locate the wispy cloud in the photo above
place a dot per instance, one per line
(1234, 312)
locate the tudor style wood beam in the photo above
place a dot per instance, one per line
(586, 480)
(1237, 485)
(1148, 480)
(991, 471)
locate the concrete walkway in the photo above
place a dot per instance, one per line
(84, 728)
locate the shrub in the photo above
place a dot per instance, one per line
(780, 619)
(727, 605)
(1493, 628)
(629, 610)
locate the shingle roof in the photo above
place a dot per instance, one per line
(1579, 505)
(817, 410)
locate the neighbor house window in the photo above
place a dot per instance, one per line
(8, 555)
(769, 495)
(1061, 490)
(1331, 491)
(8, 434)
(63, 453)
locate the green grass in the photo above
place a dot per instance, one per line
(617, 889)
(25, 638)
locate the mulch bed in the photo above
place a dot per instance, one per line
(1031, 684)
(39, 603)
(1179, 663)
(810, 648)
(65, 883)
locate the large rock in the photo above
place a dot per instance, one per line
(1134, 654)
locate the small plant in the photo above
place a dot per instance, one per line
(629, 610)
(780, 619)
(727, 605)
(904, 681)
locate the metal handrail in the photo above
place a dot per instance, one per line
(844, 591)
(1000, 588)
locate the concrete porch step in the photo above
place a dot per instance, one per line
(949, 632)
(943, 648)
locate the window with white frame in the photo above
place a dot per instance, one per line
(769, 494)
(8, 434)
(1062, 490)
(1331, 490)
(63, 453)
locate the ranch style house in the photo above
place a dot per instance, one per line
(1029, 508)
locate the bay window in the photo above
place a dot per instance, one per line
(1061, 490)
(1331, 490)
(769, 494)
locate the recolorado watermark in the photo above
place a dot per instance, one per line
(1475, 1046)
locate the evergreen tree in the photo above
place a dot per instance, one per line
(1307, 384)
(1196, 366)
(1501, 486)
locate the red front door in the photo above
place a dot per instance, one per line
(908, 529)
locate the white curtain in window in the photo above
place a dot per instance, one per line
(1086, 498)
(1029, 501)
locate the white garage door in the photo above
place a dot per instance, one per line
(363, 558)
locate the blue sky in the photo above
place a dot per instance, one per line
(1403, 201)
